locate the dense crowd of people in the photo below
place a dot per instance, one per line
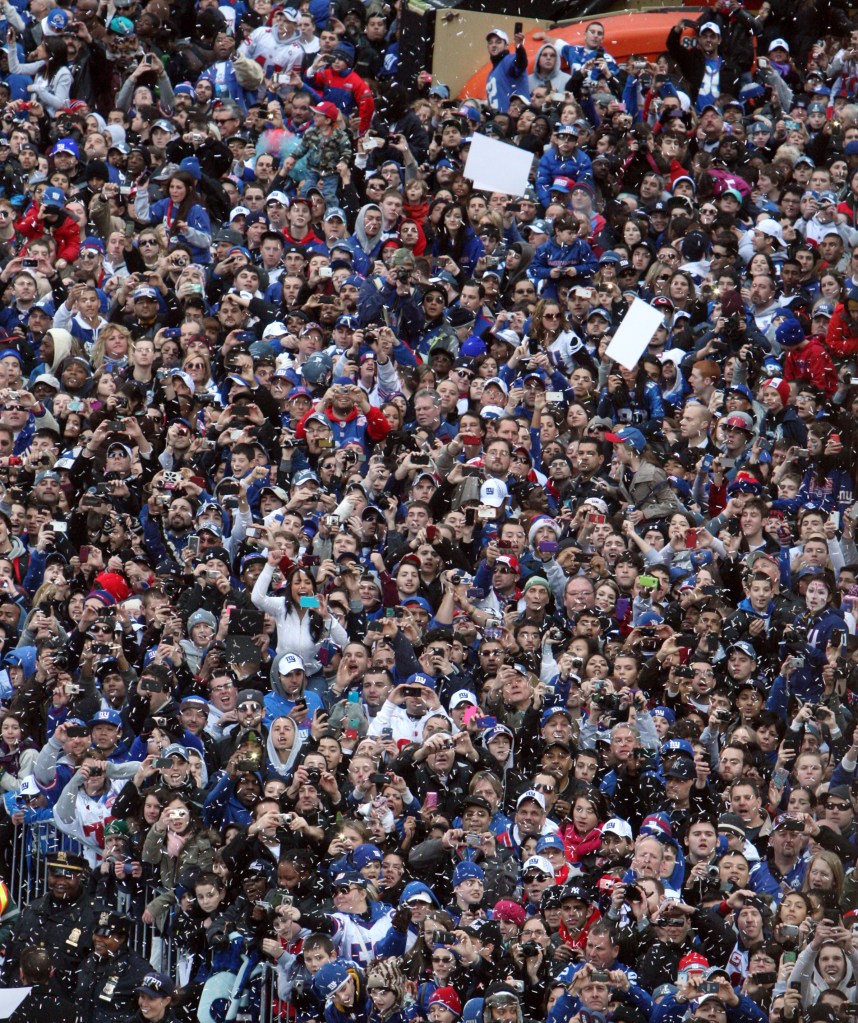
(374, 648)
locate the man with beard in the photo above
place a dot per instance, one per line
(61, 922)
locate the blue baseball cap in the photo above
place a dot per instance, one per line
(53, 196)
(551, 712)
(420, 678)
(420, 602)
(550, 842)
(66, 146)
(677, 747)
(106, 717)
(740, 389)
(628, 435)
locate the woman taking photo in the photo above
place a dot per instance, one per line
(53, 79)
(176, 841)
(183, 216)
(550, 330)
(302, 617)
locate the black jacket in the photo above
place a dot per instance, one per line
(105, 991)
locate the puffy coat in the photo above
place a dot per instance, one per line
(578, 167)
(66, 233)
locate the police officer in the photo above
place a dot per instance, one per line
(46, 999)
(154, 998)
(108, 979)
(60, 922)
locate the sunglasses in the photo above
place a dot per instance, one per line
(535, 876)
(838, 806)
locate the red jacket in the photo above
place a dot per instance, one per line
(349, 429)
(66, 234)
(345, 92)
(842, 337)
(812, 361)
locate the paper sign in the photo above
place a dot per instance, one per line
(11, 998)
(635, 332)
(498, 167)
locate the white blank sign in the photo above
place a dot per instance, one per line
(498, 167)
(11, 998)
(635, 332)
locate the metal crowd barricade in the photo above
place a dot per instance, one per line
(32, 846)
(34, 843)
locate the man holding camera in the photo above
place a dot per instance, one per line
(351, 416)
(86, 803)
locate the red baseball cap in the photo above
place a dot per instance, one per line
(328, 109)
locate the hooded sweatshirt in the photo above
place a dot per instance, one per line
(281, 767)
(813, 985)
(556, 81)
(370, 247)
(278, 704)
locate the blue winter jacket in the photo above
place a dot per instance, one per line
(551, 166)
(550, 255)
